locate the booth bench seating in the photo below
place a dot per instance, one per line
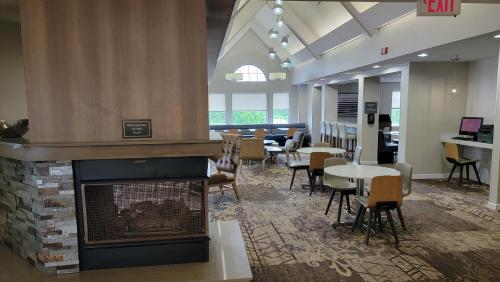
(276, 132)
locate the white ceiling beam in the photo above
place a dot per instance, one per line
(358, 17)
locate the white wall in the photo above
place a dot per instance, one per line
(482, 89)
(314, 112)
(12, 89)
(431, 110)
(369, 91)
(251, 51)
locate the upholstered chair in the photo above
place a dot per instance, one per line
(227, 165)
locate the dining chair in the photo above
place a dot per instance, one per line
(338, 184)
(406, 173)
(252, 149)
(260, 133)
(386, 194)
(233, 131)
(452, 156)
(348, 140)
(291, 132)
(316, 167)
(321, 144)
(294, 165)
(334, 129)
(357, 155)
(227, 165)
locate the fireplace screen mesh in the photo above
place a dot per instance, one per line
(143, 211)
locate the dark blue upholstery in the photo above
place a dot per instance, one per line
(276, 132)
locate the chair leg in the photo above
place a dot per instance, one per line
(235, 188)
(461, 174)
(332, 195)
(452, 171)
(368, 229)
(379, 219)
(340, 207)
(467, 172)
(358, 216)
(391, 222)
(293, 178)
(401, 219)
(477, 173)
(313, 183)
(348, 203)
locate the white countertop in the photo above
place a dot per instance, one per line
(447, 138)
(309, 150)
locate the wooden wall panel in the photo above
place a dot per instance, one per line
(89, 64)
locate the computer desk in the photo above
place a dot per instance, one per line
(447, 138)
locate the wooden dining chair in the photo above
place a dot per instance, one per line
(321, 144)
(452, 156)
(260, 133)
(252, 149)
(233, 131)
(338, 184)
(386, 194)
(316, 167)
(291, 132)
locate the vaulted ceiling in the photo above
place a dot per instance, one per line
(314, 27)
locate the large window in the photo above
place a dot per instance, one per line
(249, 108)
(396, 108)
(281, 108)
(251, 73)
(216, 109)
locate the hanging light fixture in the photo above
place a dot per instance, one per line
(273, 33)
(284, 41)
(286, 63)
(272, 53)
(455, 60)
(278, 8)
(280, 22)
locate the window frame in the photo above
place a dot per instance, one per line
(259, 73)
(393, 108)
(273, 109)
(265, 110)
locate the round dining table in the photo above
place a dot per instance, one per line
(270, 143)
(333, 151)
(360, 173)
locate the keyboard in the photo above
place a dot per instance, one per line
(462, 138)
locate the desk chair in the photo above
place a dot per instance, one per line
(452, 156)
(386, 194)
(316, 167)
(338, 184)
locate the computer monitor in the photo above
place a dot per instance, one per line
(470, 125)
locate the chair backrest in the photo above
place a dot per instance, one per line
(298, 137)
(406, 173)
(317, 160)
(341, 130)
(260, 133)
(333, 162)
(334, 128)
(291, 132)
(385, 189)
(234, 131)
(231, 156)
(252, 149)
(357, 155)
(321, 144)
(451, 152)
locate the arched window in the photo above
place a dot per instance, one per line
(251, 73)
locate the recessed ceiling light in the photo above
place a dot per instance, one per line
(376, 66)
(497, 36)
(423, 55)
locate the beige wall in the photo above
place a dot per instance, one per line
(432, 110)
(369, 91)
(12, 91)
(482, 89)
(386, 89)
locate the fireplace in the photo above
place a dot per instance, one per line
(138, 212)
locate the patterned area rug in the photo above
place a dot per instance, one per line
(451, 235)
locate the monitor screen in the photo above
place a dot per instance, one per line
(470, 125)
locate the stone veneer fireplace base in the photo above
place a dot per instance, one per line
(37, 213)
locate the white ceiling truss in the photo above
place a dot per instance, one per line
(314, 27)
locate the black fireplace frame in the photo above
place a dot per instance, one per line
(145, 253)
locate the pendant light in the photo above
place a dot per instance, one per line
(272, 53)
(278, 9)
(285, 63)
(284, 41)
(455, 60)
(280, 22)
(273, 33)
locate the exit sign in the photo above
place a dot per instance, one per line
(438, 7)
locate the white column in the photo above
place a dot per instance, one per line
(329, 103)
(494, 201)
(314, 112)
(369, 91)
(302, 103)
(403, 116)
